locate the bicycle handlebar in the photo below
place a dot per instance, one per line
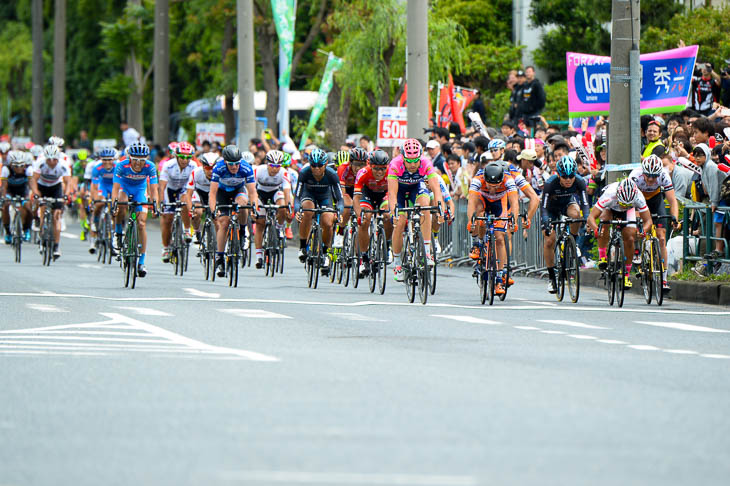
(560, 222)
(318, 210)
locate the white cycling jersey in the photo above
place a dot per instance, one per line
(651, 189)
(50, 176)
(609, 200)
(176, 178)
(198, 180)
(269, 183)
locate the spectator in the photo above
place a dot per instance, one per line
(461, 180)
(129, 134)
(515, 98)
(653, 140)
(705, 90)
(478, 106)
(533, 98)
(366, 143)
(681, 176)
(725, 84)
(702, 130)
(712, 178)
(508, 129)
(532, 174)
(84, 142)
(434, 153)
(468, 149)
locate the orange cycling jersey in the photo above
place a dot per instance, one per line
(479, 186)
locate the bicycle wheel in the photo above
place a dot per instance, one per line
(611, 275)
(317, 264)
(657, 272)
(620, 272)
(134, 253)
(345, 256)
(560, 268)
(355, 258)
(506, 269)
(381, 257)
(491, 270)
(571, 263)
(108, 235)
(646, 271)
(17, 234)
(282, 248)
(408, 269)
(372, 262)
(235, 255)
(422, 271)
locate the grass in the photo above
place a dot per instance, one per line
(690, 276)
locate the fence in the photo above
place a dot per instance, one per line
(698, 225)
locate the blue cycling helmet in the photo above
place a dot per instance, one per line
(566, 166)
(138, 150)
(107, 153)
(496, 143)
(318, 158)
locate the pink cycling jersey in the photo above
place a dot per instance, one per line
(397, 170)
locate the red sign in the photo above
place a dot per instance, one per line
(392, 126)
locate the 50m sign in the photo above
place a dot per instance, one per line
(392, 126)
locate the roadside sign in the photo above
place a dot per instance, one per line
(210, 132)
(392, 126)
(100, 143)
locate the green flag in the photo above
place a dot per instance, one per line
(333, 64)
(284, 12)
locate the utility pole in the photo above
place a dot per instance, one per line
(624, 138)
(246, 73)
(161, 108)
(37, 89)
(417, 67)
(59, 69)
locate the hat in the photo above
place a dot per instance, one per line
(527, 154)
(520, 73)
(432, 144)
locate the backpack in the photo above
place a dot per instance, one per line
(725, 189)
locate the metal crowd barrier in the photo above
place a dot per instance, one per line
(698, 216)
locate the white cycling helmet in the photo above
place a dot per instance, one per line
(247, 157)
(209, 159)
(56, 141)
(626, 192)
(51, 152)
(36, 150)
(652, 165)
(16, 157)
(29, 158)
(4, 147)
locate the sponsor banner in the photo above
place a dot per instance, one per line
(211, 132)
(392, 126)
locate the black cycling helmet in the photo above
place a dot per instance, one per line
(494, 173)
(359, 154)
(379, 157)
(231, 153)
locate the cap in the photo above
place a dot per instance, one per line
(520, 73)
(432, 144)
(527, 154)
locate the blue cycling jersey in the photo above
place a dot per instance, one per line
(232, 181)
(129, 179)
(103, 178)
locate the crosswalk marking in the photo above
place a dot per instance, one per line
(130, 335)
(470, 319)
(200, 293)
(352, 316)
(682, 327)
(145, 311)
(571, 324)
(45, 308)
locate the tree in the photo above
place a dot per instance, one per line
(38, 121)
(15, 57)
(59, 69)
(161, 115)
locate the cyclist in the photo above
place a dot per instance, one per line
(171, 147)
(342, 157)
(317, 186)
(232, 181)
(293, 178)
(174, 178)
(496, 149)
(492, 192)
(371, 191)
(449, 214)
(273, 187)
(15, 176)
(4, 151)
(653, 179)
(130, 183)
(198, 188)
(410, 177)
(102, 184)
(619, 200)
(52, 178)
(347, 171)
(81, 178)
(564, 194)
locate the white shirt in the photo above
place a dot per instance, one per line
(198, 180)
(609, 200)
(269, 183)
(129, 136)
(176, 178)
(651, 189)
(50, 176)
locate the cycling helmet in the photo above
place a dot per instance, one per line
(566, 166)
(56, 141)
(494, 173)
(317, 158)
(138, 150)
(36, 150)
(274, 157)
(247, 157)
(231, 153)
(82, 154)
(16, 157)
(4, 147)
(379, 157)
(28, 158)
(171, 147)
(412, 149)
(626, 191)
(108, 153)
(496, 143)
(51, 152)
(184, 148)
(286, 159)
(652, 165)
(209, 159)
(359, 154)
(342, 157)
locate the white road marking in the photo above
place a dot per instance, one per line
(365, 303)
(552, 332)
(716, 356)
(200, 293)
(145, 311)
(69, 235)
(679, 351)
(89, 265)
(351, 316)
(302, 477)
(45, 308)
(254, 313)
(682, 327)
(542, 302)
(581, 336)
(527, 328)
(571, 324)
(610, 341)
(643, 347)
(470, 319)
(162, 339)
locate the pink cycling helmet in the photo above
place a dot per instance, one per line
(412, 149)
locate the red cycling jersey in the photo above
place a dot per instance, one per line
(365, 178)
(346, 175)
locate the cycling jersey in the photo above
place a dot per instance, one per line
(268, 183)
(556, 198)
(176, 177)
(199, 181)
(346, 174)
(318, 191)
(17, 183)
(608, 200)
(397, 170)
(516, 174)
(479, 186)
(103, 178)
(125, 176)
(230, 182)
(50, 176)
(444, 191)
(651, 188)
(366, 180)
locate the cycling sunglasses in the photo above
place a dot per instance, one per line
(651, 176)
(275, 166)
(380, 167)
(625, 205)
(233, 163)
(138, 159)
(572, 176)
(184, 156)
(412, 161)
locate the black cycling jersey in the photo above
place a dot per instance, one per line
(555, 197)
(323, 189)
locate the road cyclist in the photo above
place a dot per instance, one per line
(15, 178)
(173, 181)
(102, 184)
(347, 172)
(273, 188)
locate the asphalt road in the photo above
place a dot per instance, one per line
(183, 381)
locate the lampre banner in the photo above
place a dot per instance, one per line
(666, 81)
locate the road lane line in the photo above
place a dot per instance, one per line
(643, 347)
(145, 311)
(527, 328)
(470, 319)
(200, 293)
(571, 324)
(680, 351)
(581, 336)
(89, 265)
(542, 302)
(352, 316)
(45, 308)
(254, 313)
(547, 331)
(71, 236)
(682, 327)
(716, 356)
(610, 341)
(302, 477)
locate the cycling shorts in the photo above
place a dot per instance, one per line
(55, 191)
(497, 209)
(319, 200)
(372, 200)
(269, 197)
(656, 206)
(138, 194)
(227, 198)
(171, 196)
(407, 194)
